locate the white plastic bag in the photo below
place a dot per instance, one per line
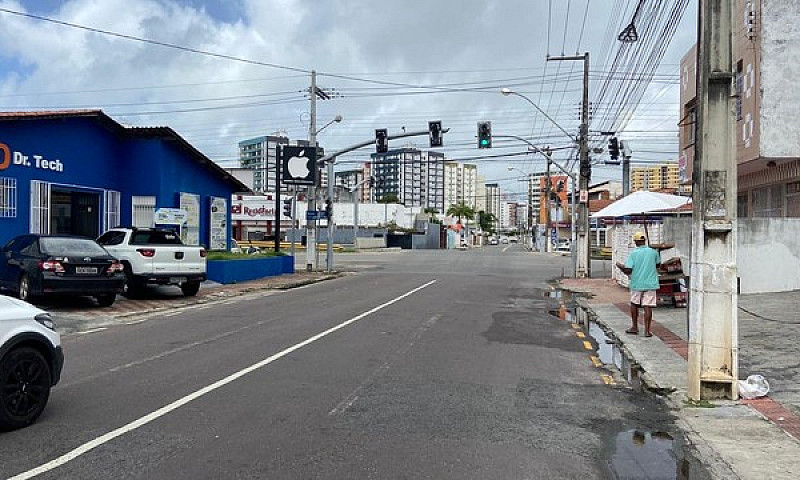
(754, 387)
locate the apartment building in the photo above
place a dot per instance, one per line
(659, 177)
(766, 48)
(415, 177)
(460, 184)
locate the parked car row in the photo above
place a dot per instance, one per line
(122, 260)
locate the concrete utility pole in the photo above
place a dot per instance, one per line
(547, 190)
(584, 265)
(626, 168)
(311, 234)
(713, 298)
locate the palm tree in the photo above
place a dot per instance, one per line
(461, 210)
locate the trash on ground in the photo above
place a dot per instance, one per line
(754, 387)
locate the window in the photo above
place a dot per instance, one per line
(144, 209)
(111, 238)
(8, 197)
(741, 205)
(768, 201)
(793, 199)
(739, 80)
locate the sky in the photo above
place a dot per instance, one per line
(219, 72)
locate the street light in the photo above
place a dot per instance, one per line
(329, 251)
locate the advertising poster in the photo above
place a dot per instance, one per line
(219, 224)
(190, 234)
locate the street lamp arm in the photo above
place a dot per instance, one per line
(539, 150)
(507, 91)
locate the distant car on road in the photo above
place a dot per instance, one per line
(35, 266)
(493, 241)
(504, 240)
(30, 362)
(563, 245)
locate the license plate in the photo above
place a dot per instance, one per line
(86, 270)
(177, 279)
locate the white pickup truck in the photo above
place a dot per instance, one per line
(153, 256)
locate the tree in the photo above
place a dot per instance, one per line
(389, 198)
(461, 210)
(432, 212)
(486, 221)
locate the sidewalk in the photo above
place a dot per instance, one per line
(747, 439)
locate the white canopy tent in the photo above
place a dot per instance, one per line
(643, 202)
(637, 205)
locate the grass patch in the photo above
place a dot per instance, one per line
(242, 256)
(698, 404)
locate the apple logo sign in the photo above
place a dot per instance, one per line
(298, 165)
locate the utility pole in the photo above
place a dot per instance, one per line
(331, 224)
(713, 366)
(547, 189)
(626, 168)
(584, 264)
(311, 234)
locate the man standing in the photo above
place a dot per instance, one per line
(642, 268)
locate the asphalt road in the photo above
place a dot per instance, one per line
(425, 364)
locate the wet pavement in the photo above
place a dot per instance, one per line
(734, 439)
(634, 453)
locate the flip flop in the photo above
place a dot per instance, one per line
(648, 334)
(632, 331)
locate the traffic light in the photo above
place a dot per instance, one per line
(435, 133)
(484, 134)
(613, 148)
(381, 140)
(287, 208)
(329, 209)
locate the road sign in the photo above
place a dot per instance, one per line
(298, 165)
(316, 215)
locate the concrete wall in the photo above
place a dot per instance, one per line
(780, 66)
(768, 255)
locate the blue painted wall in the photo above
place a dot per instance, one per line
(98, 155)
(234, 271)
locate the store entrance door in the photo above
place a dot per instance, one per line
(75, 213)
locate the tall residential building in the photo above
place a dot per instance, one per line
(535, 195)
(493, 201)
(480, 194)
(765, 46)
(259, 155)
(460, 184)
(659, 177)
(416, 177)
(346, 180)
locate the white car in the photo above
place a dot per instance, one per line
(31, 360)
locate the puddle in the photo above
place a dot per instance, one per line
(652, 455)
(638, 454)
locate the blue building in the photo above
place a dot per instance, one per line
(80, 172)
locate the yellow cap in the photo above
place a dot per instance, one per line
(639, 236)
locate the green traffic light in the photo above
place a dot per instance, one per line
(484, 142)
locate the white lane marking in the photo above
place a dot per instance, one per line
(351, 399)
(94, 330)
(506, 249)
(103, 439)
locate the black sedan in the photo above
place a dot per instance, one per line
(47, 265)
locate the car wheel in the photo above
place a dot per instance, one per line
(131, 287)
(190, 289)
(24, 387)
(25, 289)
(106, 300)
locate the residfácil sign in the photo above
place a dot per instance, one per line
(253, 207)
